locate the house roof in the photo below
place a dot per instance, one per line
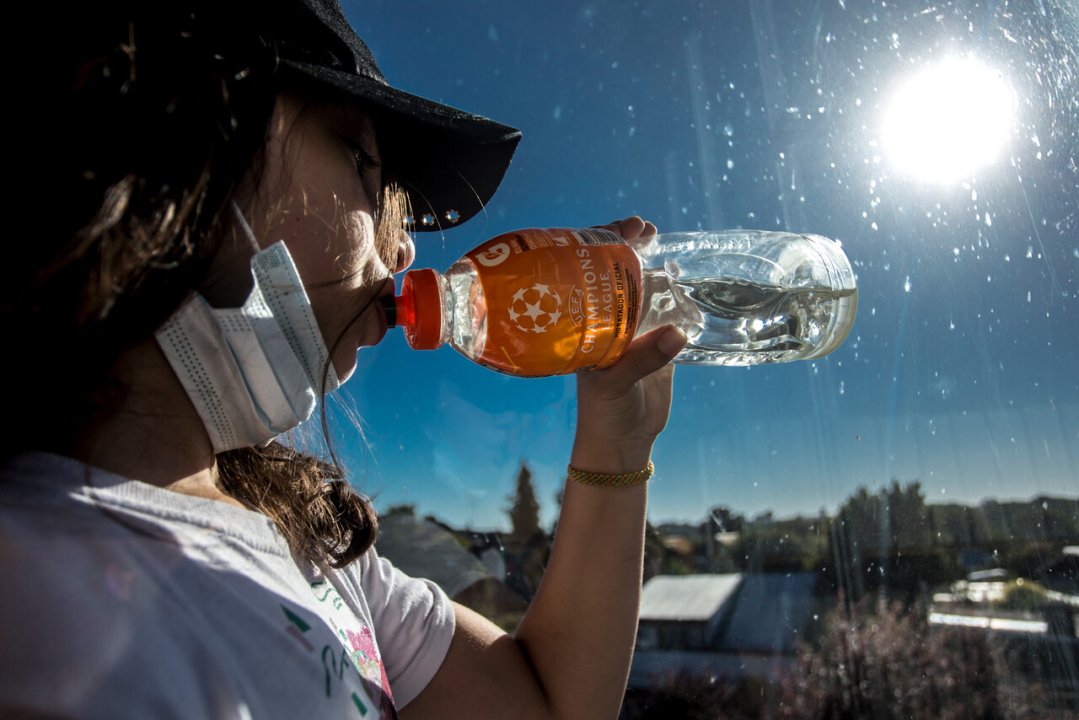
(771, 611)
(423, 549)
(687, 597)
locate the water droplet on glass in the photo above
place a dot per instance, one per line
(906, 284)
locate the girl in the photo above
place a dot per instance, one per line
(230, 194)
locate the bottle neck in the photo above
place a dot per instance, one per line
(418, 309)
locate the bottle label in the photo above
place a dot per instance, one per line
(558, 300)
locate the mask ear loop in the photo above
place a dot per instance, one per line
(248, 232)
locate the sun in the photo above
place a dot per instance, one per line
(947, 120)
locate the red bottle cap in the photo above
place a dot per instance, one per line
(419, 309)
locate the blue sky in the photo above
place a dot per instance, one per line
(960, 369)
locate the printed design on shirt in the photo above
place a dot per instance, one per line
(358, 641)
(339, 667)
(335, 664)
(297, 628)
(365, 656)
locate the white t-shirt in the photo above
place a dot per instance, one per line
(120, 599)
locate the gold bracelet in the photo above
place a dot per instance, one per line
(639, 477)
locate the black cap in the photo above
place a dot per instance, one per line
(449, 162)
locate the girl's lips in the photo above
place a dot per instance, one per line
(382, 327)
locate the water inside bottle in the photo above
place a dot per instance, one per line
(746, 323)
(468, 318)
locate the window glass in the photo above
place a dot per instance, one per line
(891, 531)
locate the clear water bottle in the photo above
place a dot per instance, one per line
(546, 302)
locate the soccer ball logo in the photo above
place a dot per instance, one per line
(536, 308)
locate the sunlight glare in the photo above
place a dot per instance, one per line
(948, 120)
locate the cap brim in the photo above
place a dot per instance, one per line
(449, 162)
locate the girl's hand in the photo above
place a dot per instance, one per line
(621, 409)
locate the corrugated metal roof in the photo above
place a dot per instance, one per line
(686, 597)
(772, 611)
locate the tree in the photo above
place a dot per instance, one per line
(527, 545)
(894, 518)
(524, 508)
(885, 539)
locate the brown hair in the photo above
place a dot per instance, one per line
(163, 113)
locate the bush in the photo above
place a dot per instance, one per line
(878, 660)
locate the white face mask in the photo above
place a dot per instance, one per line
(255, 371)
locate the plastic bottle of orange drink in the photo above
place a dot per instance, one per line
(541, 302)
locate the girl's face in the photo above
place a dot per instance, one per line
(318, 193)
